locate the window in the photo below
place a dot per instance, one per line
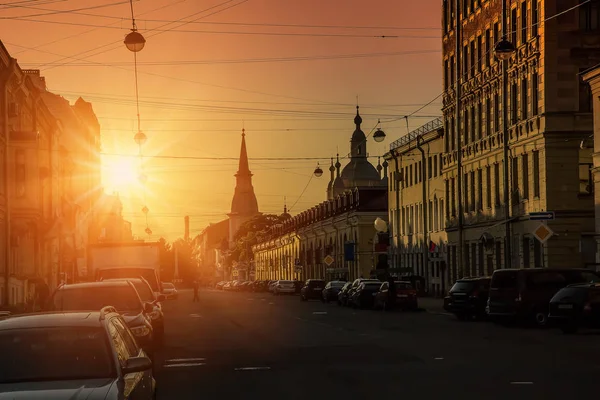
(20, 175)
(473, 61)
(447, 73)
(452, 72)
(498, 253)
(513, 26)
(466, 130)
(442, 216)
(536, 173)
(410, 175)
(525, 176)
(429, 168)
(523, 22)
(496, 35)
(589, 16)
(436, 212)
(479, 121)
(585, 94)
(488, 189)
(447, 187)
(497, 184)
(514, 110)
(452, 133)
(515, 179)
(479, 189)
(479, 55)
(480, 264)
(465, 193)
(524, 98)
(473, 124)
(435, 166)
(440, 164)
(534, 18)
(534, 94)
(488, 47)
(420, 172)
(453, 196)
(465, 63)
(430, 217)
(445, 15)
(488, 117)
(586, 183)
(497, 117)
(472, 191)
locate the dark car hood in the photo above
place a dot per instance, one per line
(91, 389)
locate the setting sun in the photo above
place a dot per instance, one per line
(120, 173)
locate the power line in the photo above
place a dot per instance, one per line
(248, 60)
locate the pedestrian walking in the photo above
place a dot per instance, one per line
(196, 298)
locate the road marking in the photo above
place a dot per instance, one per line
(180, 360)
(184, 365)
(195, 315)
(320, 313)
(271, 303)
(521, 383)
(250, 299)
(252, 368)
(439, 358)
(263, 299)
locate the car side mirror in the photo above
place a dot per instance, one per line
(148, 307)
(137, 364)
(161, 297)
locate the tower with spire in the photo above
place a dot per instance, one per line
(359, 172)
(244, 205)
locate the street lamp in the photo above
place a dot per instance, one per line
(134, 41)
(318, 171)
(380, 225)
(379, 135)
(504, 49)
(140, 138)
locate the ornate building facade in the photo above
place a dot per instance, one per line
(548, 117)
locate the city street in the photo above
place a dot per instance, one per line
(259, 346)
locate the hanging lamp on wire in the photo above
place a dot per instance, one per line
(135, 42)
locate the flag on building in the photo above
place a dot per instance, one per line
(432, 247)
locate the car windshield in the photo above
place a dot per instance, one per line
(123, 298)
(403, 285)
(144, 291)
(464, 286)
(170, 285)
(53, 354)
(338, 284)
(372, 286)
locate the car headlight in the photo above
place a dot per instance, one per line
(141, 331)
(155, 315)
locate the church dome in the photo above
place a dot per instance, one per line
(360, 172)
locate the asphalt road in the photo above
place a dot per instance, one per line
(259, 346)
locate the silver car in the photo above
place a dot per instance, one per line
(72, 355)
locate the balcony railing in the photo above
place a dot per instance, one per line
(428, 127)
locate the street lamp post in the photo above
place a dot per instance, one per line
(504, 50)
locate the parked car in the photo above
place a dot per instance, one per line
(356, 284)
(312, 289)
(576, 306)
(170, 290)
(343, 294)
(148, 296)
(121, 295)
(284, 287)
(405, 297)
(364, 295)
(73, 355)
(332, 290)
(468, 297)
(524, 294)
(272, 285)
(219, 285)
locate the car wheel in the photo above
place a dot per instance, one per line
(540, 318)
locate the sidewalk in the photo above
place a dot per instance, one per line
(433, 305)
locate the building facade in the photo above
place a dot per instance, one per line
(548, 116)
(37, 218)
(416, 199)
(333, 240)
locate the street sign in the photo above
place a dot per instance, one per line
(541, 216)
(543, 233)
(329, 260)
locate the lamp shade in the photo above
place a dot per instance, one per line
(380, 225)
(134, 41)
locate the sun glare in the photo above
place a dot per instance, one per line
(120, 173)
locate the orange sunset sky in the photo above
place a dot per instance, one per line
(289, 72)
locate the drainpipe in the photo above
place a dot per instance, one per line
(425, 208)
(396, 183)
(4, 78)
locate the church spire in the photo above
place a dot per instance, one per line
(244, 200)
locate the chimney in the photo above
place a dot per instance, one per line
(186, 220)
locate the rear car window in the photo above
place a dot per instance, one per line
(571, 294)
(504, 280)
(403, 285)
(463, 286)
